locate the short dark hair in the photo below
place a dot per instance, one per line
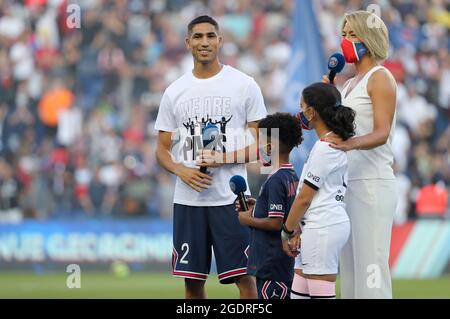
(290, 132)
(326, 100)
(203, 19)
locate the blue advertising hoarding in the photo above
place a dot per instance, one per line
(46, 244)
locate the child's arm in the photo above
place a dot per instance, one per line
(296, 213)
(276, 196)
(321, 162)
(267, 223)
(300, 206)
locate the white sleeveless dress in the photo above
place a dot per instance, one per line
(371, 200)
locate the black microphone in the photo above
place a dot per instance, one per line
(209, 135)
(239, 186)
(336, 63)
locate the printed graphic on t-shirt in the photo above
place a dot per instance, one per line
(211, 132)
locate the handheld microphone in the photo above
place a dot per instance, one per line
(239, 186)
(336, 63)
(209, 135)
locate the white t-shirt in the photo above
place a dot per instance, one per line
(325, 171)
(224, 104)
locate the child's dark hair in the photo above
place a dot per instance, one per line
(202, 19)
(290, 132)
(326, 100)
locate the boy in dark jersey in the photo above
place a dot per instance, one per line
(273, 269)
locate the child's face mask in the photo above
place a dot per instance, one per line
(265, 155)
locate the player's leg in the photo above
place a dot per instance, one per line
(195, 289)
(314, 253)
(321, 249)
(260, 284)
(192, 249)
(322, 286)
(247, 286)
(299, 288)
(230, 242)
(372, 219)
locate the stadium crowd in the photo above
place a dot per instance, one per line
(78, 105)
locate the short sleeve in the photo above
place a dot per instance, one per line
(254, 103)
(276, 199)
(165, 121)
(321, 162)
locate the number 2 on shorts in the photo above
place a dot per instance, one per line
(182, 260)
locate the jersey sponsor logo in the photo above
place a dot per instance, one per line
(276, 206)
(339, 198)
(313, 177)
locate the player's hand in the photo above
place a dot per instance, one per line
(295, 242)
(325, 79)
(195, 179)
(210, 158)
(245, 217)
(251, 202)
(292, 246)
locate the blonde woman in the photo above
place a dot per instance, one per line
(371, 195)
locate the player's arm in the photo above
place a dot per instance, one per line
(255, 110)
(247, 154)
(267, 223)
(300, 206)
(296, 213)
(191, 176)
(246, 218)
(209, 158)
(276, 191)
(321, 162)
(382, 91)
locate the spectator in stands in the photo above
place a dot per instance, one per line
(432, 199)
(116, 66)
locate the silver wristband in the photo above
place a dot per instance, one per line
(286, 236)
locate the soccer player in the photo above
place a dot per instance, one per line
(272, 268)
(372, 189)
(319, 205)
(204, 215)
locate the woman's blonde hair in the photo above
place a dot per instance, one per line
(371, 30)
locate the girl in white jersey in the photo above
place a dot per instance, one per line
(319, 205)
(371, 195)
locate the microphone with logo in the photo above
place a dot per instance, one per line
(209, 135)
(336, 63)
(239, 186)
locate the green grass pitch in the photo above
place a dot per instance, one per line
(162, 286)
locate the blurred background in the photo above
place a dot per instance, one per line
(79, 182)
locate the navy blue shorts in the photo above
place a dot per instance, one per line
(270, 289)
(197, 229)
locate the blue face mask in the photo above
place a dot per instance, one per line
(304, 122)
(264, 157)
